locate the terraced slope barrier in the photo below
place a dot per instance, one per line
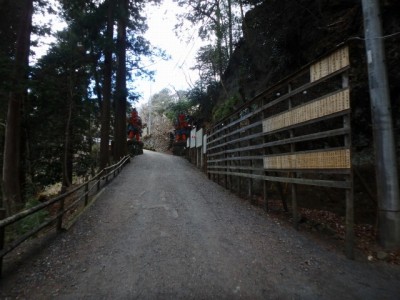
(296, 133)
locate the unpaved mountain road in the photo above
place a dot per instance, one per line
(162, 230)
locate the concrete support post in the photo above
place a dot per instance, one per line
(385, 155)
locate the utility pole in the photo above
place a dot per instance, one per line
(385, 154)
(150, 108)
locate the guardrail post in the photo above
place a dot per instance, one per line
(295, 213)
(2, 237)
(86, 191)
(99, 180)
(60, 217)
(226, 170)
(250, 190)
(265, 194)
(61, 211)
(349, 219)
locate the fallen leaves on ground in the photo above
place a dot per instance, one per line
(328, 224)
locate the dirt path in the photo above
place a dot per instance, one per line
(162, 230)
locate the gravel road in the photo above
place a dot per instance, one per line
(162, 230)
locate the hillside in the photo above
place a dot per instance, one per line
(282, 36)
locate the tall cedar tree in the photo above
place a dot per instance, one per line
(120, 147)
(11, 161)
(107, 81)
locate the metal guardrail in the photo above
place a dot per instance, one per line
(90, 188)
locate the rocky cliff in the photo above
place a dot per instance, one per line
(281, 36)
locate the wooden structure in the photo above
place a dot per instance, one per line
(296, 132)
(77, 196)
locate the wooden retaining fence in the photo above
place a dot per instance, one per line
(296, 132)
(82, 192)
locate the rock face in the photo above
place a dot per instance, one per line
(282, 36)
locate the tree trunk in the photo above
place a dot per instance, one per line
(105, 107)
(11, 160)
(230, 29)
(219, 35)
(67, 160)
(121, 92)
(243, 21)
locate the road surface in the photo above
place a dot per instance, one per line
(162, 230)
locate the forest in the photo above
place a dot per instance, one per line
(60, 112)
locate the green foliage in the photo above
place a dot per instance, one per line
(208, 62)
(184, 106)
(31, 221)
(225, 109)
(161, 100)
(83, 163)
(204, 99)
(166, 104)
(63, 81)
(60, 82)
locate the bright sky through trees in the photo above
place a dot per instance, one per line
(174, 73)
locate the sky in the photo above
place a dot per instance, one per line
(174, 73)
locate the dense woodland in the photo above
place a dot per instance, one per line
(58, 114)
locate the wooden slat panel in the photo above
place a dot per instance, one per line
(331, 64)
(332, 159)
(332, 104)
